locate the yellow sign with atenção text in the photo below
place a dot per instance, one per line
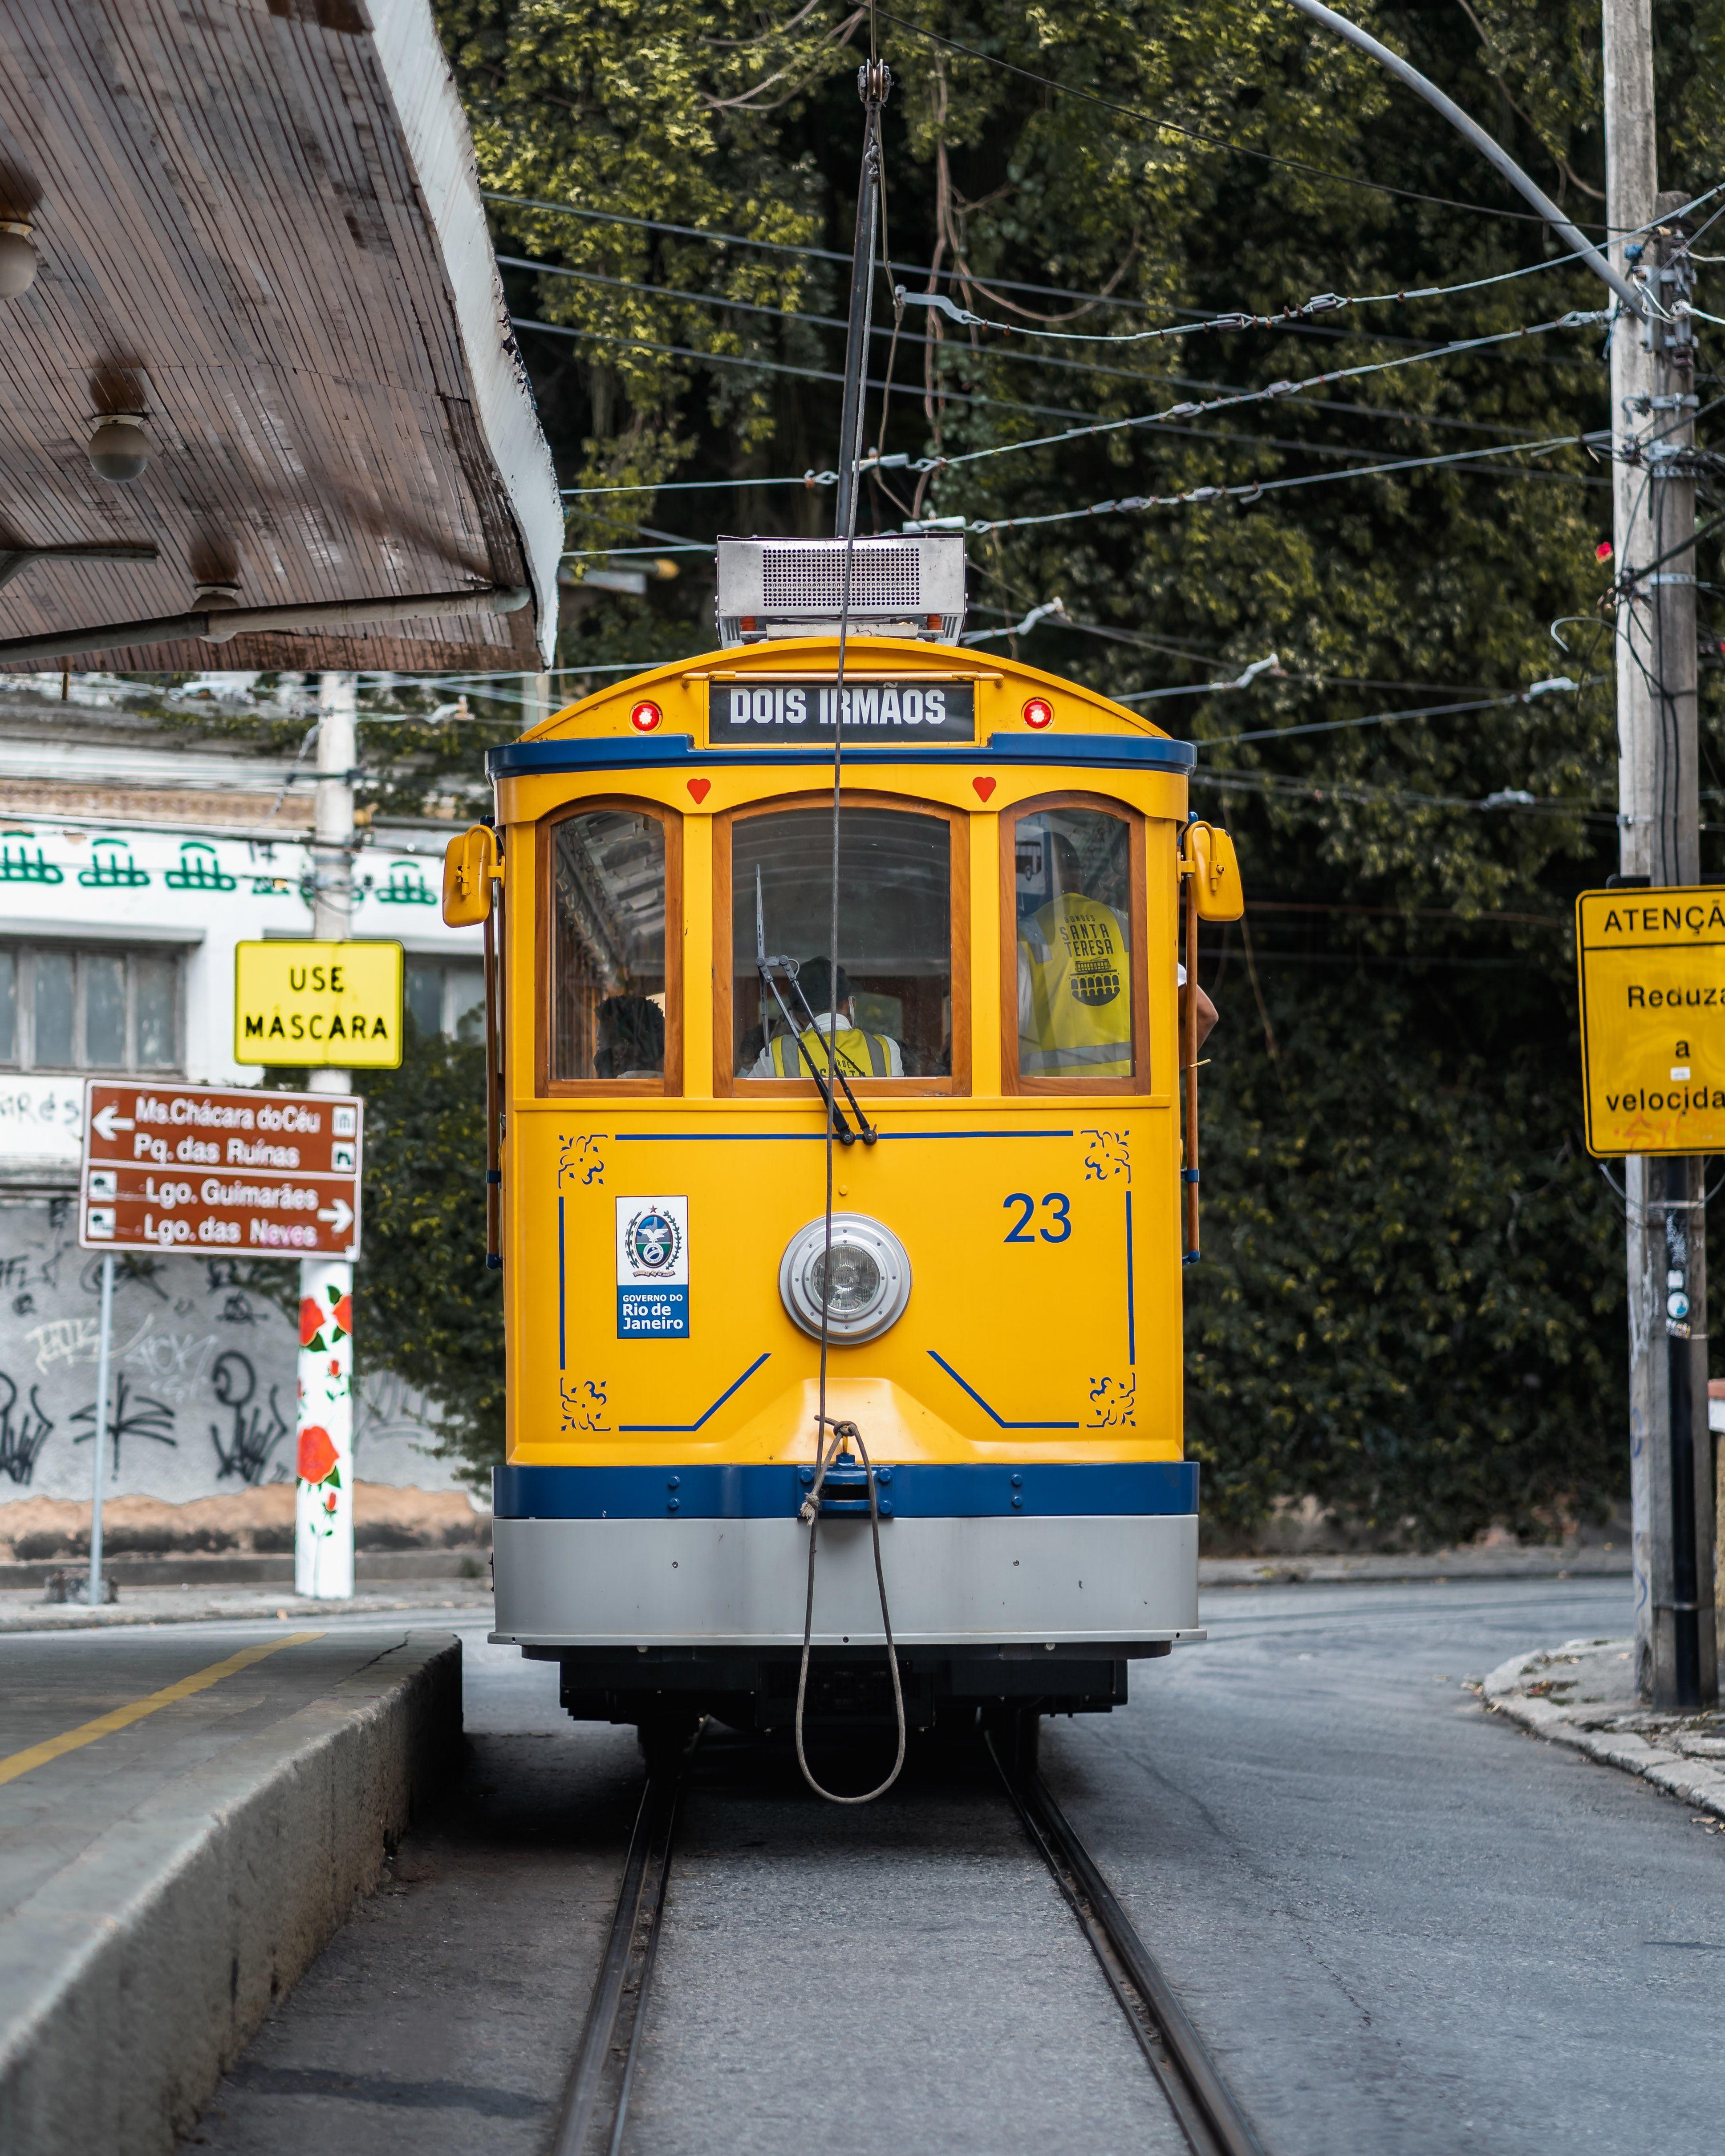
(1651, 967)
(318, 1004)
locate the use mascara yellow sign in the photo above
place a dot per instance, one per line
(319, 1003)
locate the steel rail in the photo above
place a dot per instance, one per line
(595, 2107)
(1208, 2113)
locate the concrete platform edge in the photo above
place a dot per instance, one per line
(1692, 1780)
(133, 1979)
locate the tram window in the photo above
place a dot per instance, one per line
(1072, 881)
(894, 941)
(608, 957)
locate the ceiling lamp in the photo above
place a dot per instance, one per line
(120, 448)
(216, 598)
(19, 259)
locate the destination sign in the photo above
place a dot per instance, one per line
(219, 1168)
(1651, 967)
(872, 710)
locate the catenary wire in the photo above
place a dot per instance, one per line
(1128, 504)
(970, 277)
(956, 351)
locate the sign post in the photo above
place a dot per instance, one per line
(95, 1596)
(1651, 967)
(233, 1171)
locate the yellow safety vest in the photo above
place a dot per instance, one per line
(1080, 991)
(857, 1055)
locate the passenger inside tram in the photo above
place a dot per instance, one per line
(608, 979)
(891, 1000)
(1074, 896)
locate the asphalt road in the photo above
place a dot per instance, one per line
(1401, 1924)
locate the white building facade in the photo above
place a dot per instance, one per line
(132, 864)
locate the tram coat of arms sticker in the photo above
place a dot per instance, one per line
(653, 1269)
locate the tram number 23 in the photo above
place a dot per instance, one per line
(1057, 1205)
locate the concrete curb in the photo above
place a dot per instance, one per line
(1697, 1782)
(133, 1979)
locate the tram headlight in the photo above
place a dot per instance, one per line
(864, 1288)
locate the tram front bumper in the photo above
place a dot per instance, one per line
(1031, 1582)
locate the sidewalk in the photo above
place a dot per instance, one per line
(1550, 1561)
(186, 1820)
(25, 1611)
(1583, 1694)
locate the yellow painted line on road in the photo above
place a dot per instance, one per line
(122, 1717)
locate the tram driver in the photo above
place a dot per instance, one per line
(858, 1054)
(1075, 952)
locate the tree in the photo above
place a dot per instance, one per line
(428, 1308)
(1411, 1306)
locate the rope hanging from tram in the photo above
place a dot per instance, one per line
(874, 82)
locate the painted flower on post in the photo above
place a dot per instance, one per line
(318, 1455)
(311, 1321)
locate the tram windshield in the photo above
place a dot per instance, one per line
(1072, 873)
(893, 993)
(608, 946)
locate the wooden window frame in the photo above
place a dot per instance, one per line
(1012, 1079)
(727, 1084)
(546, 1086)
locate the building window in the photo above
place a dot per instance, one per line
(66, 1008)
(447, 997)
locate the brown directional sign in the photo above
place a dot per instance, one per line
(219, 1169)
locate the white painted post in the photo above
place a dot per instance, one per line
(99, 1434)
(323, 1513)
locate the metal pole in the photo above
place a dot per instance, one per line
(323, 1531)
(99, 1433)
(874, 82)
(1492, 150)
(1658, 812)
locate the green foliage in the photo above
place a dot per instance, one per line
(1411, 1305)
(427, 1307)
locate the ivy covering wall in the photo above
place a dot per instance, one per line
(1411, 1301)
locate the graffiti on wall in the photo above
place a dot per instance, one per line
(203, 1371)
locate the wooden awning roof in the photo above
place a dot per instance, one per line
(258, 224)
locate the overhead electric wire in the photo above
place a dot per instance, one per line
(1271, 392)
(775, 366)
(1373, 719)
(1128, 504)
(960, 352)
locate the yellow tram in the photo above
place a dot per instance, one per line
(1002, 1291)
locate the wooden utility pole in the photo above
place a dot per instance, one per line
(1653, 423)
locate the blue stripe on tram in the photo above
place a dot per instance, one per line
(1048, 1489)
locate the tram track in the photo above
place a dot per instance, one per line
(594, 2114)
(595, 2106)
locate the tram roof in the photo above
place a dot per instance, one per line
(600, 732)
(260, 228)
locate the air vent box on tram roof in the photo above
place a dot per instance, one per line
(899, 586)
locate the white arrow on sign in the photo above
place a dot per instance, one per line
(341, 1213)
(106, 1121)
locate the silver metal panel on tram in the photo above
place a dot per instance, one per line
(951, 1582)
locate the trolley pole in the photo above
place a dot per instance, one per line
(1671, 1483)
(323, 1534)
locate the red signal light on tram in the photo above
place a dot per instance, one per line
(645, 717)
(1039, 713)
